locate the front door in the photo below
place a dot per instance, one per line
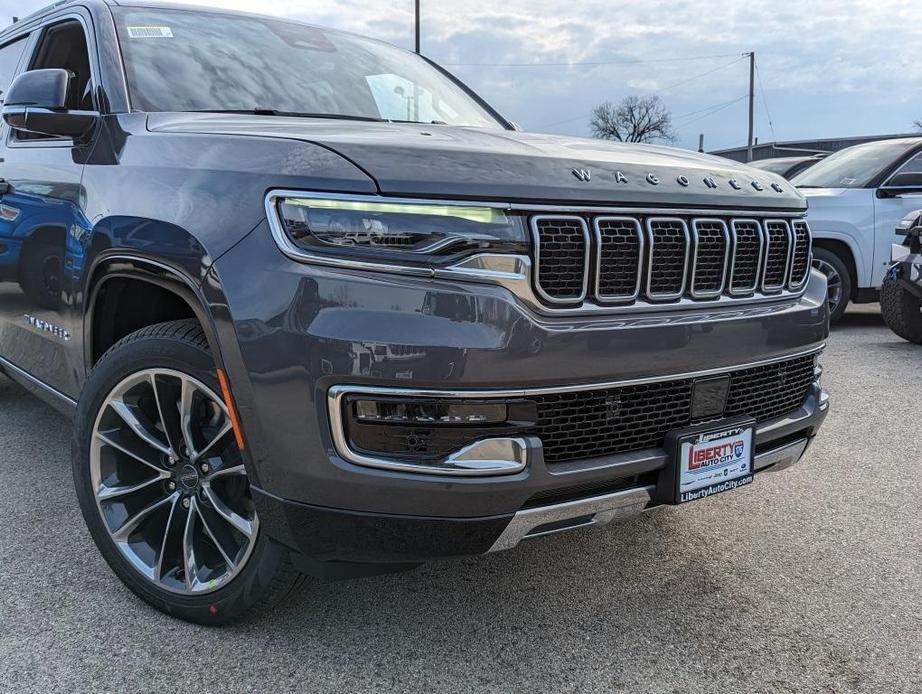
(41, 225)
(888, 212)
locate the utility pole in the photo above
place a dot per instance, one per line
(752, 101)
(417, 27)
(701, 142)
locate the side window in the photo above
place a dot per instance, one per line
(914, 165)
(64, 46)
(10, 55)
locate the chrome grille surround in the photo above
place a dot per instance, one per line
(741, 260)
(704, 257)
(801, 255)
(672, 244)
(728, 256)
(777, 260)
(630, 232)
(570, 227)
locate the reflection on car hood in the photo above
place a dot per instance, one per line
(479, 163)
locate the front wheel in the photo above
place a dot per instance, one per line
(838, 280)
(902, 310)
(162, 485)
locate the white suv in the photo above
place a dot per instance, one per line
(857, 198)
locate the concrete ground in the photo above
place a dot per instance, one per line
(807, 581)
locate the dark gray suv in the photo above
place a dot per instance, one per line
(317, 310)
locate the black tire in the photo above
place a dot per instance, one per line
(267, 577)
(901, 310)
(832, 259)
(41, 274)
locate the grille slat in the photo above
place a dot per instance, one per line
(620, 246)
(711, 241)
(639, 259)
(667, 259)
(561, 258)
(578, 425)
(800, 256)
(747, 256)
(777, 255)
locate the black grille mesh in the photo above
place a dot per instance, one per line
(619, 257)
(747, 255)
(710, 256)
(562, 256)
(800, 258)
(668, 249)
(588, 424)
(776, 255)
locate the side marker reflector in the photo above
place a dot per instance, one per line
(231, 410)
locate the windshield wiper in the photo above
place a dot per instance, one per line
(290, 114)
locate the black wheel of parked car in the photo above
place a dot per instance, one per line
(901, 310)
(41, 274)
(839, 279)
(162, 484)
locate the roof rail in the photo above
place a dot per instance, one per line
(45, 10)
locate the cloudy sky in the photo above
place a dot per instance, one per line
(827, 68)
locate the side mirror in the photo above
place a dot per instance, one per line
(36, 102)
(901, 183)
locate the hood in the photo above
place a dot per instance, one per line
(478, 163)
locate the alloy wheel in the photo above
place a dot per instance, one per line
(170, 484)
(833, 281)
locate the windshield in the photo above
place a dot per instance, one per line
(855, 167)
(778, 166)
(180, 60)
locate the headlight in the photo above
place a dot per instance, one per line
(394, 232)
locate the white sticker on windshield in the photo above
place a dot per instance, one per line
(149, 32)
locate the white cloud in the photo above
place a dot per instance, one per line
(829, 67)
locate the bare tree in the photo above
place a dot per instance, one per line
(917, 124)
(634, 119)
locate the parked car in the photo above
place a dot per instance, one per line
(788, 167)
(323, 311)
(857, 196)
(901, 292)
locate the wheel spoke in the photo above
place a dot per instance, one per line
(134, 423)
(130, 525)
(169, 418)
(185, 417)
(105, 493)
(109, 439)
(237, 470)
(158, 569)
(219, 536)
(234, 519)
(188, 548)
(225, 430)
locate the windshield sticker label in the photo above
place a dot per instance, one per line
(149, 32)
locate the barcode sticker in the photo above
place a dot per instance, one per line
(150, 32)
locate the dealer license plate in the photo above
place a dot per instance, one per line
(714, 461)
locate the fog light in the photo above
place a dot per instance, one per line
(438, 434)
(430, 413)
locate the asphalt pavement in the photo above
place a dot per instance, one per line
(808, 580)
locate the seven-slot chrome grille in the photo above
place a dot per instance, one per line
(626, 259)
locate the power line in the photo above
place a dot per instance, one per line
(664, 89)
(711, 107)
(597, 63)
(771, 125)
(714, 110)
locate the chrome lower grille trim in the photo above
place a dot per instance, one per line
(602, 510)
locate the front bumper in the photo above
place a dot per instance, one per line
(291, 332)
(347, 538)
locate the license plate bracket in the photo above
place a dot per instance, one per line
(707, 460)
